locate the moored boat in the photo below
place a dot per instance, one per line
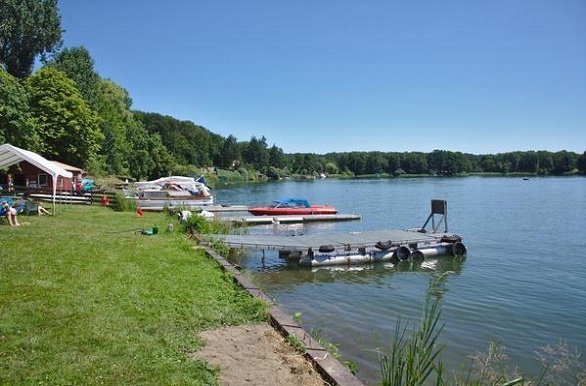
(175, 191)
(291, 206)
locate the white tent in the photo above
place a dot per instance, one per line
(11, 155)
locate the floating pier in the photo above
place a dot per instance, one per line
(360, 247)
(352, 247)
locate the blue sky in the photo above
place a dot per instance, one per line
(320, 76)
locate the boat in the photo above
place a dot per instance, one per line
(174, 191)
(291, 206)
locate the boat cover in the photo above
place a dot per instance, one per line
(292, 202)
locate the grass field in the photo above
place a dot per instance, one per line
(85, 299)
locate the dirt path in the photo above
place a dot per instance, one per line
(255, 355)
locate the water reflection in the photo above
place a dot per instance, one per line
(273, 273)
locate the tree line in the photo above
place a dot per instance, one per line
(66, 111)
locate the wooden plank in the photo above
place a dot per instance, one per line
(337, 240)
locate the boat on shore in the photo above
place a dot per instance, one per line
(291, 206)
(175, 191)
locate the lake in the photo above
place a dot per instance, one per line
(523, 282)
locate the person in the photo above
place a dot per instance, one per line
(27, 205)
(105, 200)
(10, 184)
(10, 214)
(78, 185)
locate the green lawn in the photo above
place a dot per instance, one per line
(84, 299)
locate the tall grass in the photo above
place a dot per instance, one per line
(413, 358)
(121, 203)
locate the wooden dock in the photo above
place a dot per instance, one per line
(339, 241)
(225, 208)
(288, 219)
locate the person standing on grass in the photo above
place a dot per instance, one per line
(10, 184)
(10, 214)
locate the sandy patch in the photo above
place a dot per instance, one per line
(255, 355)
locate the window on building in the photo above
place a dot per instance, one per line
(43, 180)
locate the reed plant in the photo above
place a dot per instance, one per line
(121, 203)
(415, 357)
(199, 224)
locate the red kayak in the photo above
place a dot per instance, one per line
(292, 206)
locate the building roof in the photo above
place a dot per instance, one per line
(12, 155)
(68, 167)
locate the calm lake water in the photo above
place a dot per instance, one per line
(523, 282)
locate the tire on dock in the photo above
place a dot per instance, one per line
(458, 249)
(402, 253)
(326, 248)
(417, 255)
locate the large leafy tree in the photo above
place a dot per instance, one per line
(257, 154)
(78, 65)
(229, 155)
(116, 120)
(17, 125)
(28, 28)
(67, 126)
(148, 157)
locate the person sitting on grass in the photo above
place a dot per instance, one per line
(10, 214)
(27, 205)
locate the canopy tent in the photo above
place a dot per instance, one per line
(12, 155)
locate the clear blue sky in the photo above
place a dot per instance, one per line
(477, 76)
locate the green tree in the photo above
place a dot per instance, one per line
(581, 164)
(545, 161)
(230, 153)
(393, 162)
(257, 154)
(487, 163)
(78, 65)
(116, 118)
(564, 162)
(357, 162)
(331, 168)
(17, 125)
(68, 128)
(414, 163)
(529, 162)
(148, 157)
(277, 157)
(375, 163)
(28, 28)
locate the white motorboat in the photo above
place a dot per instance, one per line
(172, 192)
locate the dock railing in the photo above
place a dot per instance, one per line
(438, 207)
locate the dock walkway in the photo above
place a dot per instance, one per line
(339, 241)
